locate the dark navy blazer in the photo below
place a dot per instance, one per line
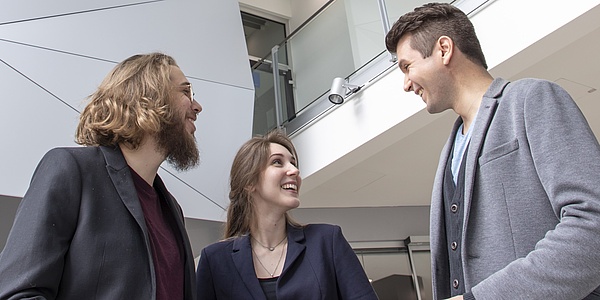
(320, 264)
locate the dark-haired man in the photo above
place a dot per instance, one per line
(515, 211)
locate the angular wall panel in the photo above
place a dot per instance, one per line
(53, 54)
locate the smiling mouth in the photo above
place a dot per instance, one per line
(192, 121)
(290, 187)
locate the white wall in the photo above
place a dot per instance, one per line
(507, 27)
(58, 53)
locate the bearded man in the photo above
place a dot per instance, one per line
(97, 222)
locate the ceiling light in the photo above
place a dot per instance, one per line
(340, 90)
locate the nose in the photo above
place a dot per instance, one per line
(407, 84)
(293, 171)
(196, 106)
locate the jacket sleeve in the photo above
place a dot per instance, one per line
(31, 264)
(566, 156)
(351, 279)
(204, 280)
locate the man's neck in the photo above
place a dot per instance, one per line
(471, 95)
(145, 160)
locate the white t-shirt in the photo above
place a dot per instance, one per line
(461, 141)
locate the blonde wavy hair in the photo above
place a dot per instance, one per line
(131, 102)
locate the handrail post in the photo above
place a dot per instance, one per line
(415, 278)
(276, 85)
(385, 22)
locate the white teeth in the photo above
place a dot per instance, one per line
(289, 186)
(420, 93)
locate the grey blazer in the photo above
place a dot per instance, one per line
(532, 198)
(80, 233)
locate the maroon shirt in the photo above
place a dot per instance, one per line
(165, 244)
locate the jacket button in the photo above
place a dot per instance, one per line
(454, 208)
(454, 245)
(455, 283)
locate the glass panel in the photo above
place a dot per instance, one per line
(336, 43)
(390, 273)
(265, 117)
(261, 35)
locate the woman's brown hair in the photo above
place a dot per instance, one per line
(248, 165)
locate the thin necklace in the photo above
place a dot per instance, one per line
(276, 266)
(270, 248)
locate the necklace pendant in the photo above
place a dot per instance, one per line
(271, 248)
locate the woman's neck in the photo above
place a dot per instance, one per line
(269, 230)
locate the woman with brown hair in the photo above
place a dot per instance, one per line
(266, 254)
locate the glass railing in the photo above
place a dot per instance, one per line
(344, 39)
(265, 104)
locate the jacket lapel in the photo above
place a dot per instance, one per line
(487, 109)
(121, 178)
(243, 260)
(296, 246)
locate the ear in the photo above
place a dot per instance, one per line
(250, 189)
(446, 47)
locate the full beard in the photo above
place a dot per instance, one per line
(179, 146)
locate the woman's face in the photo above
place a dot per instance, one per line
(280, 182)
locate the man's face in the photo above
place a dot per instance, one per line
(424, 76)
(177, 138)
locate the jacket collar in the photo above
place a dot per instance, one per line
(496, 88)
(119, 173)
(296, 245)
(242, 257)
(486, 113)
